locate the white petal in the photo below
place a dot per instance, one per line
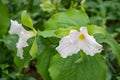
(16, 28)
(20, 53)
(66, 48)
(23, 36)
(74, 35)
(21, 43)
(72, 44)
(90, 46)
(83, 30)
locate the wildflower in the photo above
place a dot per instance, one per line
(77, 41)
(24, 35)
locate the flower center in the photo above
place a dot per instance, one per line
(81, 37)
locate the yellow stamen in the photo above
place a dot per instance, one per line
(81, 37)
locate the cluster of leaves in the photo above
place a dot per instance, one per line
(41, 60)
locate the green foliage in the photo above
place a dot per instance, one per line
(71, 17)
(69, 69)
(26, 20)
(51, 20)
(56, 33)
(93, 29)
(34, 49)
(47, 33)
(4, 19)
(10, 41)
(103, 11)
(115, 47)
(22, 63)
(43, 61)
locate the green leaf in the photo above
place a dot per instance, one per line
(71, 17)
(26, 20)
(65, 31)
(56, 33)
(93, 29)
(34, 49)
(4, 19)
(43, 62)
(115, 47)
(90, 68)
(19, 62)
(47, 33)
(10, 41)
(22, 63)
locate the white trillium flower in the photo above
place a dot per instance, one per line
(23, 34)
(77, 41)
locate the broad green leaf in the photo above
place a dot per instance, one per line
(34, 49)
(4, 19)
(26, 20)
(65, 31)
(10, 41)
(109, 75)
(115, 47)
(56, 33)
(21, 63)
(43, 62)
(90, 68)
(47, 33)
(60, 32)
(71, 17)
(93, 29)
